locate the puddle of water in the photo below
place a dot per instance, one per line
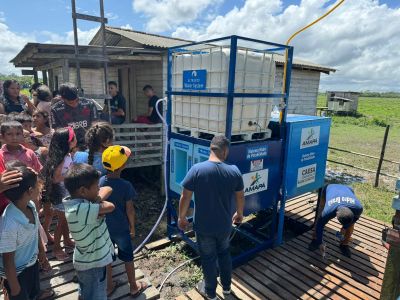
(333, 176)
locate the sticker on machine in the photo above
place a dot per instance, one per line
(255, 182)
(257, 152)
(306, 175)
(256, 165)
(309, 137)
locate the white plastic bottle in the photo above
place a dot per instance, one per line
(275, 113)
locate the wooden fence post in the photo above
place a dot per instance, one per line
(378, 171)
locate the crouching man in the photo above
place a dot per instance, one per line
(337, 201)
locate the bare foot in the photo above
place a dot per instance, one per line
(50, 238)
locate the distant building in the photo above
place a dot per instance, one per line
(136, 59)
(342, 102)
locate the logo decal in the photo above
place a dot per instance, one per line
(309, 137)
(255, 182)
(306, 175)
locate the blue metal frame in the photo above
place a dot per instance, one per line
(229, 95)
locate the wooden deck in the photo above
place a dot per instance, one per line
(63, 280)
(292, 272)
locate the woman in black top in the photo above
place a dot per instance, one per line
(12, 100)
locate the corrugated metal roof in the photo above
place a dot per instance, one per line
(154, 40)
(148, 39)
(303, 64)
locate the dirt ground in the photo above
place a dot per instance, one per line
(157, 264)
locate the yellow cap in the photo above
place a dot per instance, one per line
(114, 157)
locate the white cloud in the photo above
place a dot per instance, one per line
(10, 44)
(360, 38)
(164, 15)
(127, 26)
(84, 36)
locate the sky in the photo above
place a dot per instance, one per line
(360, 39)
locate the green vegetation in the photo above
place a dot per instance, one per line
(364, 133)
(24, 81)
(377, 201)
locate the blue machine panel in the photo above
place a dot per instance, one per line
(200, 153)
(181, 157)
(306, 153)
(259, 164)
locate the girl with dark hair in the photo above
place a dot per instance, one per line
(58, 162)
(13, 101)
(98, 138)
(42, 128)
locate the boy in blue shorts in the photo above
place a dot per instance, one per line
(85, 209)
(121, 222)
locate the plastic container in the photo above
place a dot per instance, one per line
(255, 73)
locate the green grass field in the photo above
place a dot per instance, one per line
(364, 134)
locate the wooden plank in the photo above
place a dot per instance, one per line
(135, 134)
(319, 282)
(295, 286)
(137, 125)
(265, 266)
(316, 260)
(69, 290)
(255, 285)
(123, 292)
(320, 276)
(359, 254)
(181, 297)
(358, 234)
(124, 142)
(194, 295)
(241, 285)
(89, 18)
(236, 293)
(347, 264)
(292, 293)
(162, 243)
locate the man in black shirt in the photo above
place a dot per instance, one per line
(79, 113)
(152, 116)
(117, 105)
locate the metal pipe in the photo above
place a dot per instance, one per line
(76, 46)
(103, 41)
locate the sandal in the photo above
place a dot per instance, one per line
(142, 288)
(69, 244)
(46, 294)
(60, 255)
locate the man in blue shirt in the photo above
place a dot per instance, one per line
(337, 201)
(217, 187)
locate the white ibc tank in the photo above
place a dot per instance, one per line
(255, 73)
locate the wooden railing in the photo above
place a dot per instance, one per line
(145, 141)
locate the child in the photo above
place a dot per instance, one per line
(98, 138)
(26, 121)
(12, 135)
(85, 210)
(42, 128)
(58, 162)
(20, 246)
(121, 222)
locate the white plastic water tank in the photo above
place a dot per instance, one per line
(255, 73)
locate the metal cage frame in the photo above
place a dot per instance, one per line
(233, 44)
